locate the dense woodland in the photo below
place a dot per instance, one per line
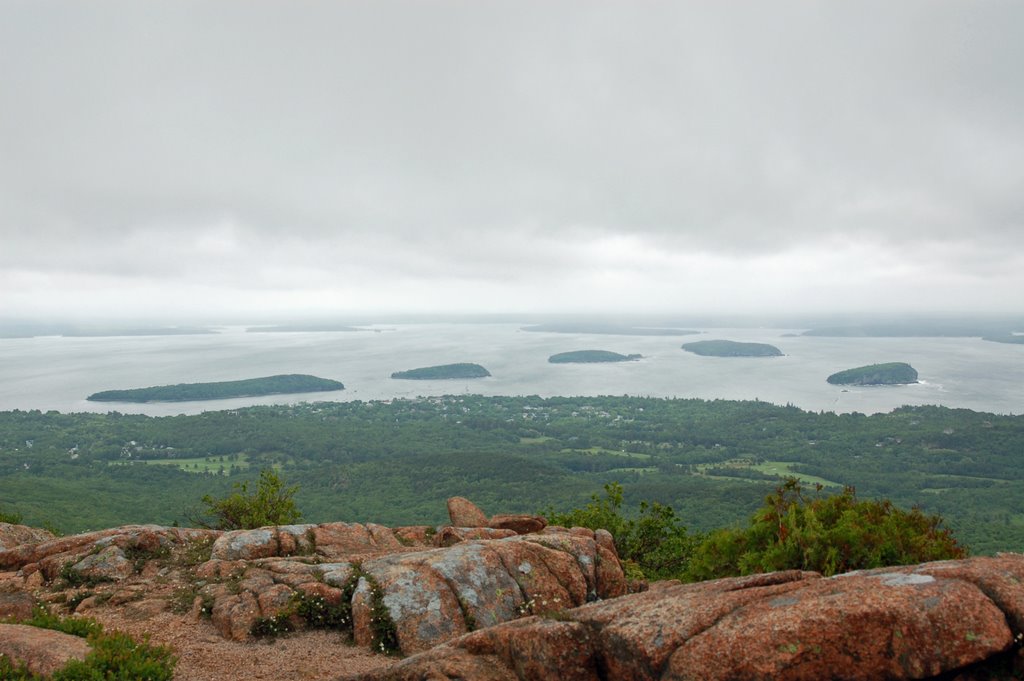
(396, 461)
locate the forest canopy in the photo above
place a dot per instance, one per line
(395, 461)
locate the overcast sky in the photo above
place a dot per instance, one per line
(196, 159)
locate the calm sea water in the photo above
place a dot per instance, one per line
(58, 373)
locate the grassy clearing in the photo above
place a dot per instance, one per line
(613, 452)
(202, 464)
(784, 469)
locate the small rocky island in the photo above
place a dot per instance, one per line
(443, 371)
(728, 348)
(283, 384)
(590, 357)
(891, 373)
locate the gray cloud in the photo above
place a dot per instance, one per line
(397, 152)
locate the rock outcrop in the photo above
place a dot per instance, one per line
(485, 603)
(957, 620)
(12, 535)
(43, 651)
(429, 594)
(405, 589)
(464, 513)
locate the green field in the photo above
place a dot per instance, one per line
(784, 469)
(208, 464)
(781, 469)
(612, 452)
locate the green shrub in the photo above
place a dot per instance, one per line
(827, 534)
(112, 657)
(15, 672)
(270, 504)
(118, 657)
(76, 626)
(319, 614)
(10, 517)
(271, 627)
(654, 545)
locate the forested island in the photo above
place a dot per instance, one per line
(443, 371)
(890, 373)
(590, 357)
(33, 330)
(910, 329)
(728, 348)
(608, 329)
(283, 384)
(300, 328)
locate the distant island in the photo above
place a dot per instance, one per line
(252, 387)
(892, 373)
(1014, 338)
(590, 357)
(728, 348)
(443, 371)
(298, 328)
(608, 329)
(31, 330)
(921, 329)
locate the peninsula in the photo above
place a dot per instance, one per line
(590, 357)
(1014, 338)
(891, 373)
(728, 348)
(443, 371)
(283, 384)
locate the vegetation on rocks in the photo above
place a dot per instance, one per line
(829, 534)
(114, 656)
(826, 533)
(655, 541)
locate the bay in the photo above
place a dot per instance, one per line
(58, 373)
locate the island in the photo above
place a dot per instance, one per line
(590, 357)
(891, 373)
(34, 330)
(444, 372)
(283, 384)
(303, 328)
(728, 348)
(911, 329)
(608, 329)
